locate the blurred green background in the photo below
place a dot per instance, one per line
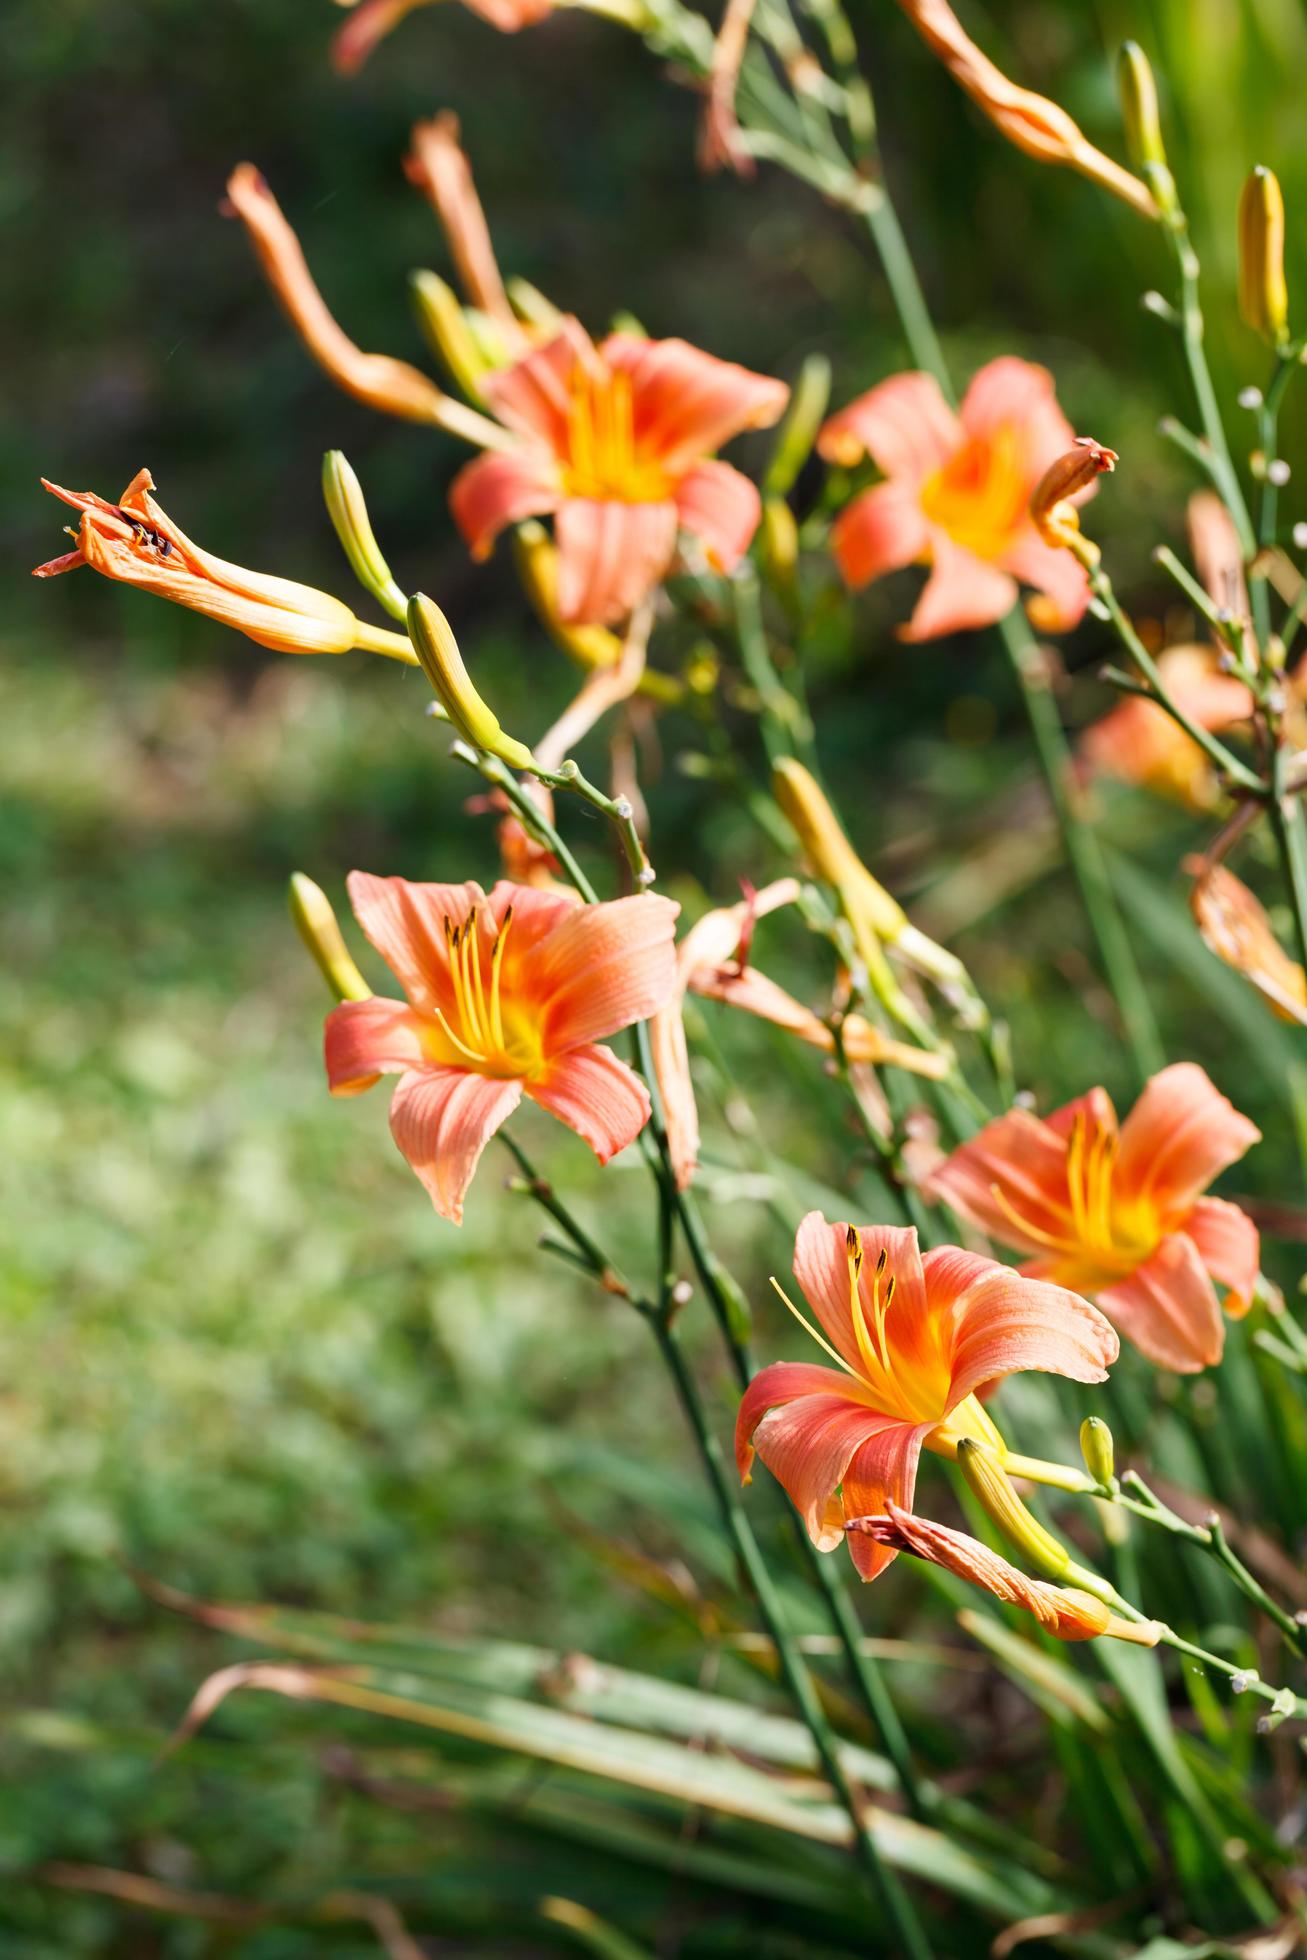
(236, 1349)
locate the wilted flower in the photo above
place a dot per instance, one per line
(1234, 924)
(1064, 1611)
(957, 495)
(372, 20)
(1118, 1213)
(506, 995)
(914, 1339)
(616, 443)
(1139, 742)
(135, 541)
(1032, 122)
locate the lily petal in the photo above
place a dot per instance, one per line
(821, 1266)
(963, 592)
(594, 1093)
(1168, 1308)
(406, 924)
(688, 403)
(605, 967)
(883, 1472)
(501, 488)
(1005, 1324)
(1021, 397)
(880, 531)
(1179, 1135)
(1230, 1247)
(442, 1119)
(721, 507)
(904, 425)
(365, 1039)
(1026, 1160)
(610, 557)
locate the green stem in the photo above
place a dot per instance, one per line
(1287, 827)
(783, 722)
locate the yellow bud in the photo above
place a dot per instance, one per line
(780, 546)
(1143, 127)
(311, 910)
(1263, 295)
(348, 512)
(798, 430)
(531, 306)
(448, 333)
(984, 1472)
(1097, 1449)
(830, 853)
(437, 649)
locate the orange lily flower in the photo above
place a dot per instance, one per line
(506, 995)
(137, 542)
(712, 961)
(1138, 742)
(372, 20)
(916, 1341)
(615, 443)
(1064, 1611)
(957, 494)
(1118, 1212)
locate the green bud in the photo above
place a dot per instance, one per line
(983, 1469)
(1263, 295)
(437, 649)
(1097, 1449)
(349, 514)
(1143, 126)
(448, 332)
(310, 908)
(798, 430)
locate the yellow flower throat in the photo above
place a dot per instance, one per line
(603, 460)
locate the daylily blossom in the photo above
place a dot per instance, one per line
(372, 20)
(916, 1340)
(135, 541)
(1117, 1212)
(713, 961)
(506, 995)
(1064, 1611)
(615, 442)
(957, 495)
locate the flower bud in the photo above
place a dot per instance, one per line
(349, 514)
(1143, 128)
(437, 649)
(1263, 295)
(448, 334)
(830, 853)
(310, 908)
(1097, 1449)
(984, 1472)
(780, 547)
(798, 430)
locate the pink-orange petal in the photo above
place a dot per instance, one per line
(884, 1471)
(605, 967)
(1179, 1135)
(364, 1039)
(610, 557)
(1168, 1308)
(1020, 397)
(500, 488)
(1027, 1161)
(442, 1119)
(904, 425)
(1230, 1247)
(809, 1443)
(594, 1093)
(687, 403)
(962, 593)
(1061, 582)
(1005, 1324)
(775, 1385)
(720, 507)
(406, 924)
(533, 396)
(880, 531)
(821, 1266)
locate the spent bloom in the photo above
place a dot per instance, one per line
(136, 542)
(1235, 926)
(616, 443)
(1118, 1212)
(957, 495)
(371, 21)
(505, 995)
(1064, 1611)
(916, 1340)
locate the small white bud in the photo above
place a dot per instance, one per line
(1300, 537)
(1278, 472)
(1250, 398)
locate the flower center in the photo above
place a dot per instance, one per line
(1098, 1229)
(485, 1033)
(902, 1384)
(981, 494)
(603, 460)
